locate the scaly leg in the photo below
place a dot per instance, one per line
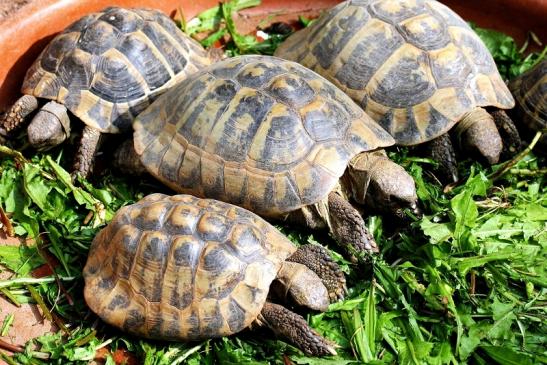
(441, 150)
(295, 329)
(15, 116)
(126, 159)
(317, 259)
(85, 157)
(512, 143)
(348, 227)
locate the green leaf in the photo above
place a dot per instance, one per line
(504, 317)
(465, 264)
(444, 355)
(471, 341)
(438, 232)
(506, 356)
(20, 259)
(36, 186)
(6, 324)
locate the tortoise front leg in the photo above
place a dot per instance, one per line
(512, 143)
(317, 259)
(85, 157)
(295, 329)
(441, 150)
(15, 116)
(348, 227)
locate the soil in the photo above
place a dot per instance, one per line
(28, 320)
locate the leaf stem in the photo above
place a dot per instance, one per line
(509, 164)
(30, 281)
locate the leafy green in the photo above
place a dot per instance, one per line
(6, 324)
(511, 60)
(219, 24)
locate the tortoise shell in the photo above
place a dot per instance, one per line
(256, 131)
(183, 268)
(108, 66)
(530, 91)
(413, 65)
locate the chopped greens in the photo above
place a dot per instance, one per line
(465, 283)
(218, 23)
(510, 59)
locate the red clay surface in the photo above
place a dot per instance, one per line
(28, 322)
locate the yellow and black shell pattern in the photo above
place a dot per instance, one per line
(183, 268)
(108, 66)
(256, 131)
(413, 65)
(530, 92)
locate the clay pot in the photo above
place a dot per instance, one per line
(26, 32)
(514, 17)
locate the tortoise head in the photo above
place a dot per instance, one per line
(50, 127)
(302, 285)
(373, 179)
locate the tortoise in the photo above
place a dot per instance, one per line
(530, 92)
(181, 268)
(105, 68)
(276, 138)
(417, 69)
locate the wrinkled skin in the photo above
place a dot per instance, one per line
(49, 128)
(375, 181)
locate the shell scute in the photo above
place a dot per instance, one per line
(449, 67)
(98, 37)
(291, 90)
(124, 20)
(405, 82)
(240, 122)
(530, 90)
(213, 227)
(138, 52)
(338, 34)
(258, 75)
(425, 32)
(372, 49)
(394, 12)
(57, 50)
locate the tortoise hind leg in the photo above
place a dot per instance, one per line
(85, 157)
(317, 259)
(295, 329)
(15, 116)
(126, 159)
(512, 143)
